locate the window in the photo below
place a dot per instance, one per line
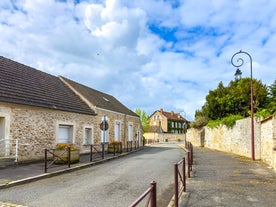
(130, 132)
(65, 133)
(88, 136)
(117, 131)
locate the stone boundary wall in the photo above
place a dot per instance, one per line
(237, 139)
(163, 137)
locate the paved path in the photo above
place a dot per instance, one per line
(221, 179)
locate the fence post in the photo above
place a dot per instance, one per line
(121, 147)
(192, 153)
(91, 153)
(131, 145)
(69, 157)
(175, 185)
(16, 150)
(153, 194)
(188, 162)
(184, 174)
(114, 149)
(45, 161)
(102, 150)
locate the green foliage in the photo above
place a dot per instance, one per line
(234, 99)
(263, 113)
(214, 123)
(144, 118)
(227, 121)
(200, 122)
(271, 99)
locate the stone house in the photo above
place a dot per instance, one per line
(165, 126)
(170, 122)
(39, 110)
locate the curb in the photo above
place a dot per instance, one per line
(59, 172)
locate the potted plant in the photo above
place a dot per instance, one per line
(61, 153)
(117, 145)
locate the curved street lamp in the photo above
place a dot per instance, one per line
(238, 63)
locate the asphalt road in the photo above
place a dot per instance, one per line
(115, 183)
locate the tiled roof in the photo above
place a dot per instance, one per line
(172, 116)
(21, 84)
(100, 99)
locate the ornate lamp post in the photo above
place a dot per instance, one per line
(239, 62)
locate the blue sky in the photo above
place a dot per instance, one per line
(149, 54)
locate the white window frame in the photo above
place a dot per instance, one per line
(117, 131)
(71, 126)
(130, 131)
(88, 138)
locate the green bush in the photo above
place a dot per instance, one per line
(231, 120)
(199, 122)
(263, 113)
(227, 121)
(213, 123)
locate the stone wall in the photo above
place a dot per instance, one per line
(163, 137)
(37, 128)
(238, 140)
(124, 121)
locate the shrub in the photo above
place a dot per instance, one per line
(64, 146)
(199, 122)
(227, 121)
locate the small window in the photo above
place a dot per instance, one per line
(130, 132)
(88, 136)
(117, 131)
(65, 134)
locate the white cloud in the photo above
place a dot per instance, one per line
(148, 54)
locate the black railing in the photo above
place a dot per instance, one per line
(96, 152)
(57, 156)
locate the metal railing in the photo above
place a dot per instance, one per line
(9, 148)
(179, 180)
(132, 145)
(57, 156)
(180, 174)
(96, 153)
(151, 193)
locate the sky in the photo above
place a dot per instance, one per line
(149, 54)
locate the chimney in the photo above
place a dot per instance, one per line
(172, 113)
(161, 111)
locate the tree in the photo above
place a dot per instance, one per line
(271, 106)
(144, 118)
(234, 99)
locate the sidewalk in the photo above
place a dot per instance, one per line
(20, 174)
(222, 179)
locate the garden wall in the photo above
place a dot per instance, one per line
(237, 139)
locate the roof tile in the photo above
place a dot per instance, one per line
(22, 84)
